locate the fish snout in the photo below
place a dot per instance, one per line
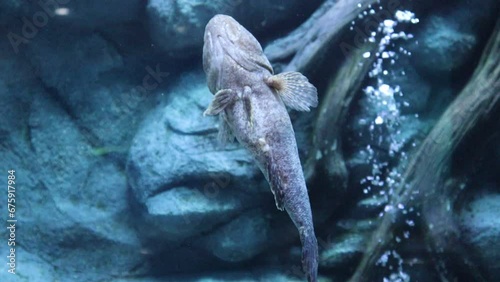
(225, 28)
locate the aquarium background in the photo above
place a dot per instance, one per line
(118, 176)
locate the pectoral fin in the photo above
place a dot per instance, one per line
(275, 181)
(221, 100)
(295, 90)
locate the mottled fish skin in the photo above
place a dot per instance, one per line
(238, 75)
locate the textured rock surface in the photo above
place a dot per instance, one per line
(177, 26)
(74, 206)
(187, 185)
(176, 146)
(241, 239)
(481, 229)
(443, 46)
(182, 212)
(66, 210)
(78, 61)
(87, 76)
(32, 268)
(449, 37)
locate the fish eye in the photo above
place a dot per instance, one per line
(233, 31)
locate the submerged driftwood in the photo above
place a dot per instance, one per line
(310, 41)
(442, 235)
(430, 162)
(304, 47)
(327, 147)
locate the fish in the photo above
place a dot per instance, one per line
(251, 103)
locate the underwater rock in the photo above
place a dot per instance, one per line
(441, 46)
(62, 200)
(449, 37)
(189, 185)
(343, 250)
(480, 226)
(31, 268)
(16, 154)
(17, 78)
(104, 102)
(242, 238)
(177, 26)
(81, 14)
(97, 13)
(182, 176)
(177, 146)
(67, 61)
(351, 233)
(77, 218)
(182, 212)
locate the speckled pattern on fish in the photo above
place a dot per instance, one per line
(251, 102)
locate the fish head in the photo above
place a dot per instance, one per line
(227, 43)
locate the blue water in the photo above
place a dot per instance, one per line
(111, 172)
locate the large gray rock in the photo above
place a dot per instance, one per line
(448, 38)
(67, 61)
(73, 204)
(442, 46)
(190, 189)
(86, 74)
(30, 267)
(17, 86)
(176, 146)
(75, 217)
(241, 239)
(481, 229)
(177, 26)
(183, 180)
(182, 212)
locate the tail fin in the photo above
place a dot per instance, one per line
(309, 255)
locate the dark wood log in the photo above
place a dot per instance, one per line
(423, 174)
(342, 88)
(442, 235)
(305, 46)
(309, 41)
